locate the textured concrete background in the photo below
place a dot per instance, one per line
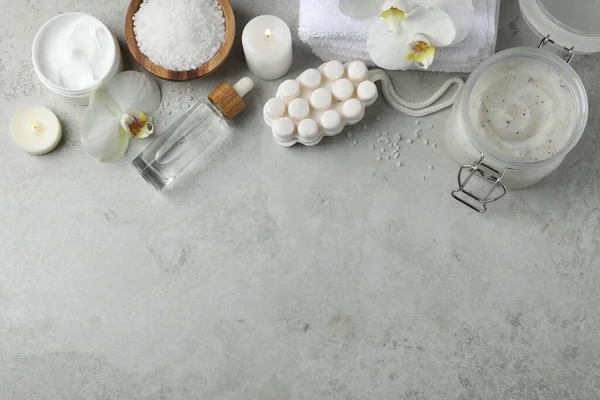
(304, 273)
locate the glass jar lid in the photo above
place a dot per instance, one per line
(569, 23)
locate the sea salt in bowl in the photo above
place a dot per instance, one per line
(172, 74)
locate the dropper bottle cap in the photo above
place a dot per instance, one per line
(229, 99)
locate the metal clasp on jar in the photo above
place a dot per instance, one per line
(570, 50)
(489, 175)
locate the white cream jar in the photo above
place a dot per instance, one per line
(524, 109)
(73, 54)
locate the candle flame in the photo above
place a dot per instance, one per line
(267, 33)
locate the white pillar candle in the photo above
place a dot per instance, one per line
(267, 43)
(36, 130)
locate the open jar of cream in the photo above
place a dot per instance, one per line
(524, 109)
(73, 54)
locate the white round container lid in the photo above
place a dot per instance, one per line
(569, 23)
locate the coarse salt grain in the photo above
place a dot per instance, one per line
(349, 134)
(179, 35)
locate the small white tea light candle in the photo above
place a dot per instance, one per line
(267, 43)
(36, 130)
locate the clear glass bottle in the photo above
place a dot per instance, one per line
(196, 130)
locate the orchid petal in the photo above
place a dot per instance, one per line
(387, 49)
(432, 22)
(393, 17)
(404, 5)
(360, 9)
(100, 134)
(134, 91)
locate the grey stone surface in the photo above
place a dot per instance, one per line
(304, 273)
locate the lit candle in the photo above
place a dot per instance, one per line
(267, 43)
(36, 130)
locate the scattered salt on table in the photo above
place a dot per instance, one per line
(179, 35)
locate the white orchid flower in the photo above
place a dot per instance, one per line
(118, 111)
(361, 9)
(408, 32)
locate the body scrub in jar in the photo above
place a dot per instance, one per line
(520, 113)
(524, 109)
(73, 54)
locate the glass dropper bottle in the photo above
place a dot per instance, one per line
(188, 137)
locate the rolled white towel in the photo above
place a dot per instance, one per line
(333, 36)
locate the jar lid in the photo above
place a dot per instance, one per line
(569, 23)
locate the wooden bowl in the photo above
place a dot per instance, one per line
(199, 72)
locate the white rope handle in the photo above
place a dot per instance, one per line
(418, 109)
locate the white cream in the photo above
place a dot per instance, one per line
(74, 52)
(522, 110)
